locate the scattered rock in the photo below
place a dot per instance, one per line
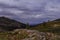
(25, 34)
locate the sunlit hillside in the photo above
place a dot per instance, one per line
(50, 26)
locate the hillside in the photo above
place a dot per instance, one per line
(50, 26)
(7, 24)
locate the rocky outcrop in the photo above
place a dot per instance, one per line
(24, 34)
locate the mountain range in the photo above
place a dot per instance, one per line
(7, 24)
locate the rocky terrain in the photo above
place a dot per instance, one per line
(24, 34)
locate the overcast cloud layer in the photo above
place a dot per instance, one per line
(32, 11)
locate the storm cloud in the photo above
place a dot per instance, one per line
(31, 11)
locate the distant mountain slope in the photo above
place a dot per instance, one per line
(53, 26)
(10, 24)
(57, 20)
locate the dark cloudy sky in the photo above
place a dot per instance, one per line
(32, 11)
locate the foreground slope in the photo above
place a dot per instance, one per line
(25, 34)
